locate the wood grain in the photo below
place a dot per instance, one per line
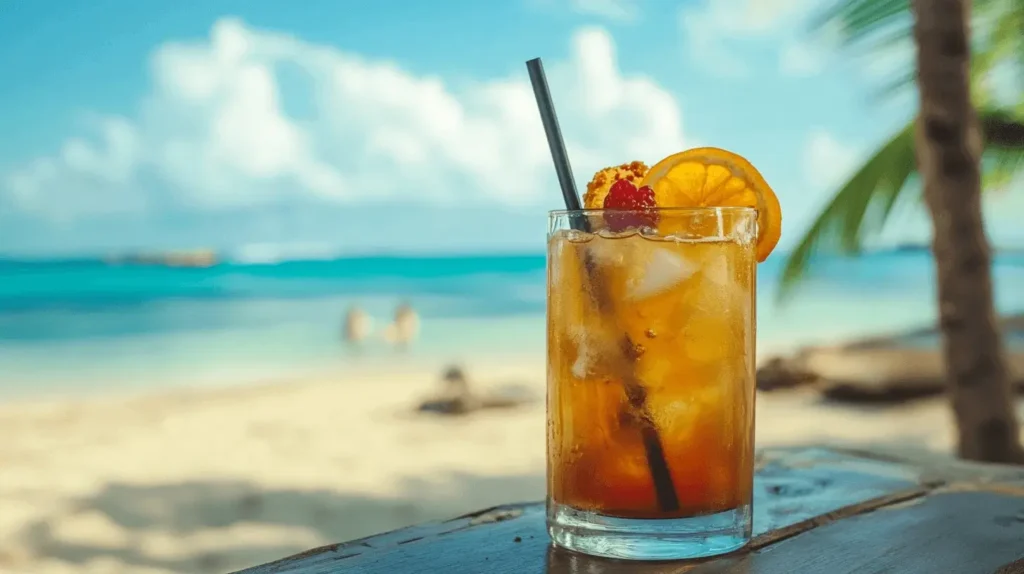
(952, 533)
(816, 510)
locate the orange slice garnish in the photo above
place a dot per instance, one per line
(713, 177)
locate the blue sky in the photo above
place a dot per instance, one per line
(259, 126)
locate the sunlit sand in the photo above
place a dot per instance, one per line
(211, 481)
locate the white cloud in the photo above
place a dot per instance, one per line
(218, 132)
(828, 162)
(85, 177)
(622, 10)
(714, 30)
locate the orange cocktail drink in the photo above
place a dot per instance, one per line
(651, 345)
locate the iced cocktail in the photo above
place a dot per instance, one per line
(651, 327)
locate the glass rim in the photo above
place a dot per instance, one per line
(739, 209)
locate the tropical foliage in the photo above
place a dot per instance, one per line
(861, 206)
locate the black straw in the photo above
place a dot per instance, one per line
(660, 475)
(554, 134)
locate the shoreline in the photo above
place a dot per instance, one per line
(387, 364)
(378, 367)
(384, 366)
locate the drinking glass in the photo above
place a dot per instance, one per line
(650, 361)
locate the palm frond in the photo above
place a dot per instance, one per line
(897, 85)
(1002, 127)
(881, 25)
(859, 20)
(1004, 23)
(860, 208)
(875, 26)
(1002, 160)
(1000, 26)
(863, 204)
(1001, 167)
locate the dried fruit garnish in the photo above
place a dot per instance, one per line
(603, 180)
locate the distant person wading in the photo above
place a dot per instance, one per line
(358, 326)
(405, 328)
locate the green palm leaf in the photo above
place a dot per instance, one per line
(1003, 162)
(1002, 167)
(858, 209)
(866, 20)
(1003, 128)
(997, 24)
(1002, 25)
(880, 25)
(862, 205)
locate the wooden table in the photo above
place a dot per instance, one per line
(816, 510)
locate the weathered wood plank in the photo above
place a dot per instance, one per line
(956, 532)
(870, 513)
(792, 487)
(505, 539)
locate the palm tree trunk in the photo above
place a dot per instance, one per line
(949, 147)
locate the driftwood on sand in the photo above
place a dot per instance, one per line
(456, 396)
(888, 374)
(784, 373)
(881, 369)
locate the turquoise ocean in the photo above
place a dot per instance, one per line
(84, 326)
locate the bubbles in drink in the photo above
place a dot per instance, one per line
(685, 301)
(715, 269)
(608, 254)
(576, 236)
(681, 411)
(719, 305)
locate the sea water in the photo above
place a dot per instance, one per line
(85, 326)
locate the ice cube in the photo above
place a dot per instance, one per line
(718, 322)
(606, 253)
(585, 352)
(722, 293)
(716, 270)
(724, 287)
(675, 416)
(662, 270)
(595, 346)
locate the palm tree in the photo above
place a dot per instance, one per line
(952, 148)
(860, 208)
(947, 136)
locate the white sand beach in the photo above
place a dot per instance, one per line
(216, 480)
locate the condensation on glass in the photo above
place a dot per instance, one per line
(651, 381)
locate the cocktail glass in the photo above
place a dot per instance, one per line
(650, 330)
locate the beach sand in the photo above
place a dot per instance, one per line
(216, 480)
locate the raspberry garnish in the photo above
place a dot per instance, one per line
(640, 204)
(599, 186)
